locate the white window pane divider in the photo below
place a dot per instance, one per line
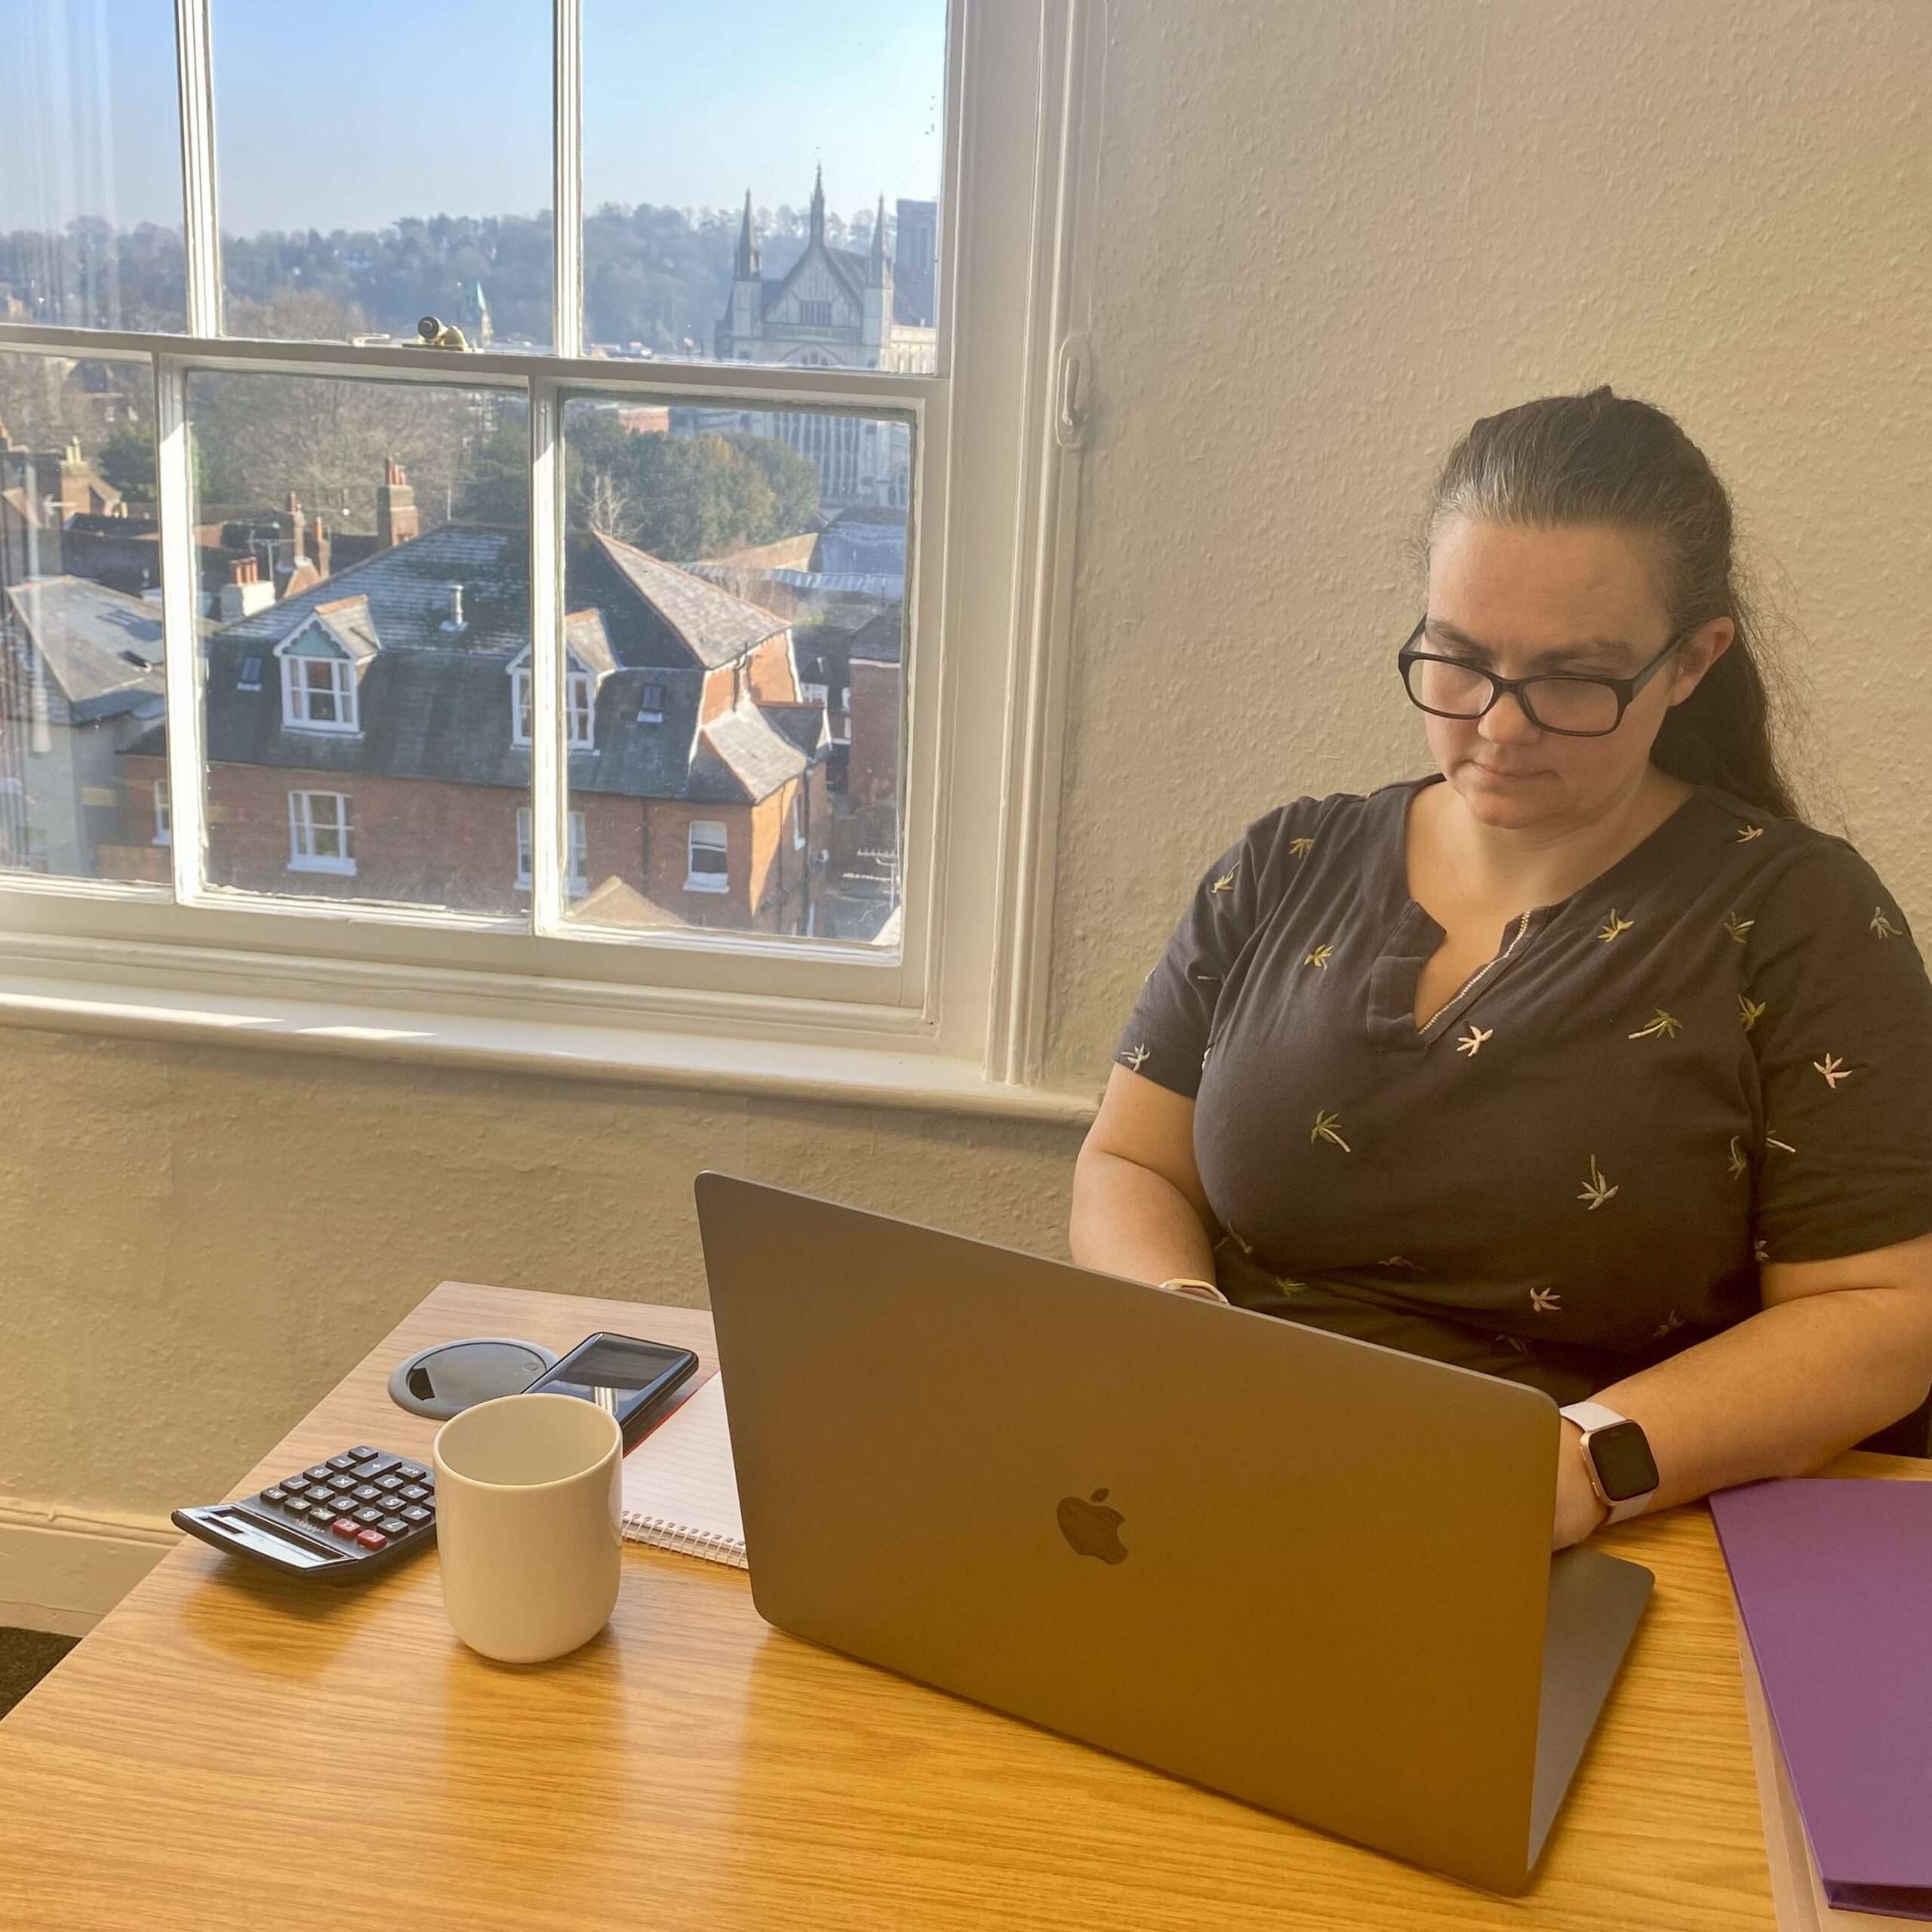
(567, 170)
(548, 773)
(180, 619)
(201, 228)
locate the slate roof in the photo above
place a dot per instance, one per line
(436, 703)
(346, 622)
(87, 637)
(881, 584)
(882, 640)
(849, 545)
(715, 626)
(742, 756)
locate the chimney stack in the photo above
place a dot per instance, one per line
(454, 622)
(318, 545)
(396, 521)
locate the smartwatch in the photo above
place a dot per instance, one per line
(1617, 1453)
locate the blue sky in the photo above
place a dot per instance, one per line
(352, 112)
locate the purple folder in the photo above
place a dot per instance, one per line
(1834, 1581)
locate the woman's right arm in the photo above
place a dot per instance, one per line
(1138, 1208)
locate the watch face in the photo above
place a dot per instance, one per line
(1624, 1464)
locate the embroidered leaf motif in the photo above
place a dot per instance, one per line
(1739, 1164)
(1135, 1061)
(1246, 1246)
(1749, 1011)
(1617, 924)
(1301, 847)
(1772, 1140)
(1759, 1251)
(1883, 926)
(1471, 1043)
(1226, 883)
(1749, 832)
(1515, 1342)
(1665, 1026)
(1668, 1325)
(1546, 1301)
(1403, 1261)
(1288, 1287)
(1834, 1069)
(1328, 1127)
(1739, 929)
(1596, 1189)
(1320, 956)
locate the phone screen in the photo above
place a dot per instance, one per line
(627, 1379)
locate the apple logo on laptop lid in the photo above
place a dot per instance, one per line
(1091, 1528)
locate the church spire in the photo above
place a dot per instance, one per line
(745, 267)
(881, 262)
(818, 206)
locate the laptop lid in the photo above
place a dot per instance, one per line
(1308, 1571)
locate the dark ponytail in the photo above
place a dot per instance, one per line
(1601, 458)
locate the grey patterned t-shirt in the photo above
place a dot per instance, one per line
(1717, 1053)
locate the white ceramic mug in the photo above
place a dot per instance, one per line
(527, 1527)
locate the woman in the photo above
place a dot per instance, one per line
(1582, 1061)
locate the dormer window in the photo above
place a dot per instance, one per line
(317, 685)
(580, 708)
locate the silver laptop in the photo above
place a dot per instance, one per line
(1310, 1572)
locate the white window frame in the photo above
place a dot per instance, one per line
(303, 822)
(798, 816)
(296, 693)
(953, 1015)
(577, 876)
(707, 882)
(164, 829)
(580, 708)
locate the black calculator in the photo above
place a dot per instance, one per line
(352, 1515)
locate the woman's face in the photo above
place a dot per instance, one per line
(1519, 601)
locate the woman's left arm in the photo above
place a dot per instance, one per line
(1839, 1349)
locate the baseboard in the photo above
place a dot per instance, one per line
(63, 1570)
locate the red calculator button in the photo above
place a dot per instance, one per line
(369, 1538)
(347, 1527)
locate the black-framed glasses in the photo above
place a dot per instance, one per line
(1565, 702)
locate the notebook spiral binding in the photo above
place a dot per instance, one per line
(662, 1533)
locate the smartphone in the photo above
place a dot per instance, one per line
(630, 1380)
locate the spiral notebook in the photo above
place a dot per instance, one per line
(680, 1487)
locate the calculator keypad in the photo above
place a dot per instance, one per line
(363, 1500)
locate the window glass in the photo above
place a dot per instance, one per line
(366, 544)
(81, 671)
(738, 219)
(576, 879)
(725, 568)
(377, 163)
(89, 165)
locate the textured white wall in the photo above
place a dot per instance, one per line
(1334, 234)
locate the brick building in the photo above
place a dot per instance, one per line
(369, 738)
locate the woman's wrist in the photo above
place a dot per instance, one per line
(1579, 1510)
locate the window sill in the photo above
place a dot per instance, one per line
(72, 988)
(707, 882)
(341, 868)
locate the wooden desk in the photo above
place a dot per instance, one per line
(692, 1767)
